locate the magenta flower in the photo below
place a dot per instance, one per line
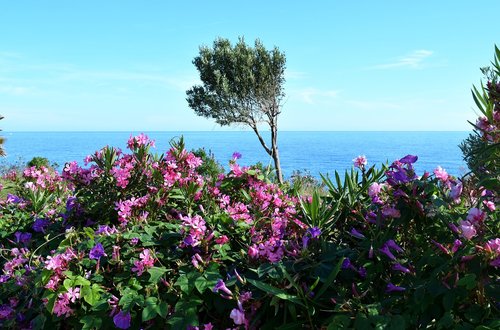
(375, 189)
(496, 262)
(238, 316)
(146, 261)
(97, 252)
(456, 191)
(456, 245)
(221, 286)
(253, 252)
(236, 155)
(122, 320)
(475, 215)
(493, 245)
(314, 231)
(394, 288)
(468, 230)
(490, 205)
(441, 174)
(360, 161)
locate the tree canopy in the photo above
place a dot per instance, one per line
(241, 85)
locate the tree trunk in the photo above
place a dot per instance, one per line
(275, 152)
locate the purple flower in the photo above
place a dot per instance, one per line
(23, 238)
(362, 272)
(356, 234)
(13, 199)
(456, 245)
(314, 231)
(134, 241)
(122, 320)
(238, 316)
(236, 155)
(222, 287)
(401, 268)
(496, 262)
(394, 288)
(40, 225)
(97, 252)
(71, 203)
(391, 244)
(408, 159)
(346, 263)
(385, 250)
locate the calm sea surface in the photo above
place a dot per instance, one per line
(316, 152)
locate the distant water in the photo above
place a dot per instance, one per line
(316, 152)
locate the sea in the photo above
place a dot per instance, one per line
(308, 152)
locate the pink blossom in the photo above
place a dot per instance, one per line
(360, 161)
(490, 205)
(475, 215)
(456, 191)
(73, 294)
(61, 306)
(468, 230)
(389, 211)
(238, 316)
(253, 252)
(146, 261)
(493, 245)
(441, 174)
(374, 189)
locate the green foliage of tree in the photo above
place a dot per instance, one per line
(481, 149)
(241, 85)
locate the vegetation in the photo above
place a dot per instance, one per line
(241, 85)
(136, 240)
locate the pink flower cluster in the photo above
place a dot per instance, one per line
(42, 178)
(126, 207)
(146, 261)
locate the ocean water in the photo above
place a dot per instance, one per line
(313, 152)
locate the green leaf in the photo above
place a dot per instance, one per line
(38, 322)
(91, 294)
(130, 298)
(156, 273)
(162, 309)
(150, 309)
(329, 280)
(469, 281)
(91, 322)
(275, 291)
(339, 322)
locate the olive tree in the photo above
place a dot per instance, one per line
(241, 85)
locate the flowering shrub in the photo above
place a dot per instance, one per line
(135, 240)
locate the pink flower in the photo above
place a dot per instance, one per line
(441, 174)
(468, 230)
(221, 286)
(490, 205)
(456, 191)
(146, 261)
(61, 306)
(493, 245)
(73, 294)
(374, 189)
(238, 316)
(360, 161)
(475, 215)
(253, 252)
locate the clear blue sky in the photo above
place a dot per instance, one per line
(351, 65)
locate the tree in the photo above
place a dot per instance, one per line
(2, 140)
(242, 86)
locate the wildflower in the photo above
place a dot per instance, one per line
(222, 287)
(40, 225)
(475, 215)
(408, 159)
(236, 155)
(385, 250)
(356, 234)
(23, 238)
(116, 252)
(493, 245)
(391, 244)
(490, 205)
(456, 191)
(97, 252)
(374, 189)
(314, 231)
(73, 294)
(456, 245)
(441, 174)
(394, 288)
(61, 306)
(146, 261)
(496, 262)
(468, 230)
(253, 252)
(122, 320)
(238, 316)
(390, 212)
(222, 239)
(360, 161)
(346, 263)
(401, 268)
(208, 326)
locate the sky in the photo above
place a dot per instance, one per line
(351, 65)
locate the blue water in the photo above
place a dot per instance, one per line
(316, 152)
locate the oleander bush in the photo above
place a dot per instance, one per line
(137, 240)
